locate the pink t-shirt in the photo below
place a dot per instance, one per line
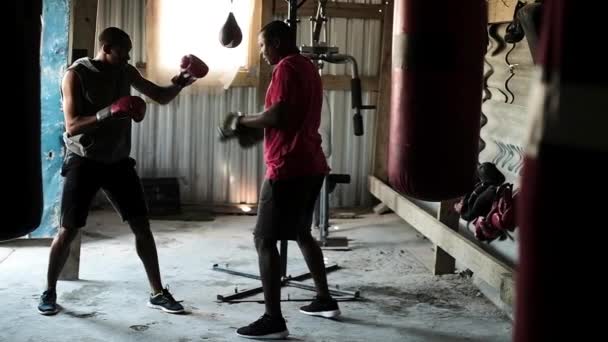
(294, 150)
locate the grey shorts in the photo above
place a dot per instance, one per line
(286, 207)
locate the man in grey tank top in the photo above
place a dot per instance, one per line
(98, 111)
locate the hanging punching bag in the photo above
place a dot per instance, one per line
(562, 206)
(438, 50)
(230, 34)
(25, 204)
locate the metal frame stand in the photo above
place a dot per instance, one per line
(286, 280)
(321, 219)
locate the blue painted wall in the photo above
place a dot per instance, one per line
(53, 63)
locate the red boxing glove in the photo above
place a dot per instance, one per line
(191, 68)
(133, 107)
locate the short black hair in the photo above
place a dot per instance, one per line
(278, 30)
(113, 36)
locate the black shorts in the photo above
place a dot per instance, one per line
(286, 207)
(84, 178)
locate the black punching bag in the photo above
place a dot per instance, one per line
(24, 209)
(230, 34)
(438, 50)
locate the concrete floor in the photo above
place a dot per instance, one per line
(402, 300)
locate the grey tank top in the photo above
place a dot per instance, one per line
(110, 141)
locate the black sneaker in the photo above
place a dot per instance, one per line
(48, 303)
(265, 328)
(327, 308)
(164, 301)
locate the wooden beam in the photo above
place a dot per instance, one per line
(380, 161)
(71, 269)
(334, 10)
(330, 82)
(264, 70)
(507, 293)
(342, 82)
(244, 79)
(501, 11)
(485, 266)
(444, 262)
(26, 241)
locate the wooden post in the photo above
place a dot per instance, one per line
(507, 289)
(445, 263)
(82, 35)
(264, 70)
(384, 95)
(71, 270)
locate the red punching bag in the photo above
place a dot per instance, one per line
(562, 206)
(438, 50)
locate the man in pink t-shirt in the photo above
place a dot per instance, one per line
(296, 168)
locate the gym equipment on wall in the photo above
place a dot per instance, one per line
(320, 52)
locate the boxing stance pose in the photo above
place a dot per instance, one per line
(295, 169)
(98, 112)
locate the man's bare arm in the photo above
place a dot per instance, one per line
(162, 95)
(72, 95)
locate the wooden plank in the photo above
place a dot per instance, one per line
(444, 262)
(330, 82)
(264, 70)
(501, 11)
(507, 293)
(485, 266)
(334, 10)
(83, 24)
(380, 162)
(342, 82)
(26, 241)
(71, 269)
(244, 79)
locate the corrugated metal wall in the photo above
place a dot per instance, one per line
(179, 139)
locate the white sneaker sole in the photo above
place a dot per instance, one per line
(150, 305)
(273, 336)
(48, 313)
(326, 314)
